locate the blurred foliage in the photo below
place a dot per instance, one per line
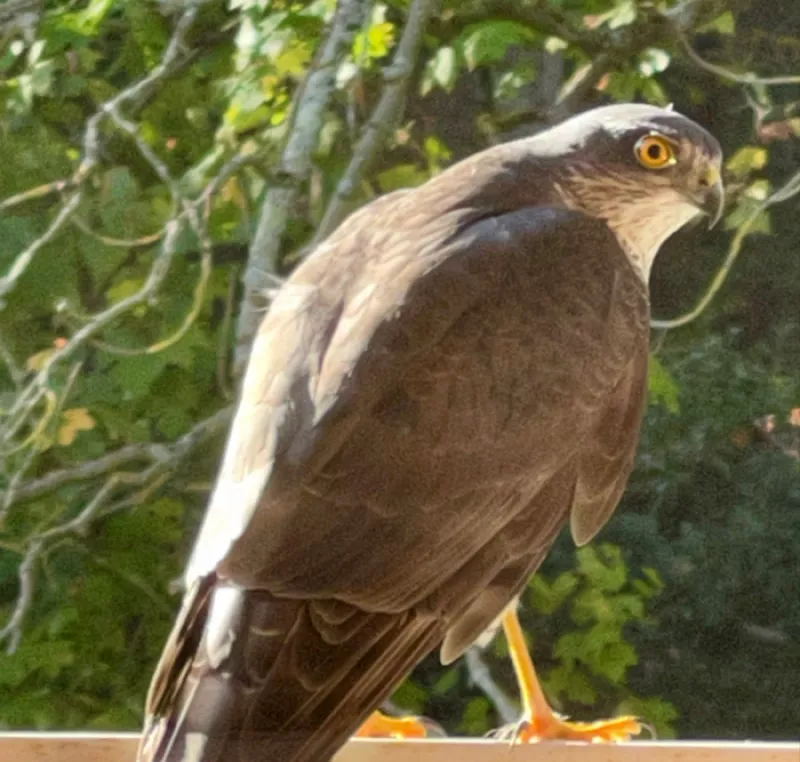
(685, 611)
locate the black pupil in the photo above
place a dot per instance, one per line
(654, 151)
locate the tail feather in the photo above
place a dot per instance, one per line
(247, 677)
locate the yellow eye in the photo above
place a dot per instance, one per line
(655, 152)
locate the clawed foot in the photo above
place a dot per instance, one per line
(380, 725)
(552, 727)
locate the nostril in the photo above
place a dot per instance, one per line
(704, 182)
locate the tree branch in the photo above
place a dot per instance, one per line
(578, 86)
(294, 168)
(84, 471)
(384, 118)
(91, 151)
(27, 400)
(789, 190)
(167, 459)
(720, 71)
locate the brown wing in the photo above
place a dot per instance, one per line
(413, 429)
(587, 490)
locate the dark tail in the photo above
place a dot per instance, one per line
(247, 677)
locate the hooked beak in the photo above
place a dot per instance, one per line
(710, 195)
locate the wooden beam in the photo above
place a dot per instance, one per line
(97, 747)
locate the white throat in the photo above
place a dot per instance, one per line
(641, 226)
(642, 236)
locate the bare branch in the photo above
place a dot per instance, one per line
(190, 317)
(19, 473)
(159, 166)
(14, 371)
(118, 243)
(789, 190)
(39, 192)
(720, 71)
(91, 150)
(13, 629)
(295, 165)
(24, 258)
(384, 118)
(578, 86)
(30, 397)
(89, 469)
(167, 459)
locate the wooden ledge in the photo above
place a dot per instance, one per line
(102, 747)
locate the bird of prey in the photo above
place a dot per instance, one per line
(450, 378)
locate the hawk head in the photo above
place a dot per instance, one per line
(647, 171)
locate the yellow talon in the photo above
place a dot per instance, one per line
(540, 722)
(555, 728)
(380, 725)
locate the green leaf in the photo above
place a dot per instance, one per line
(377, 40)
(475, 721)
(446, 682)
(555, 44)
(92, 16)
(723, 24)
(652, 584)
(655, 711)
(743, 213)
(135, 375)
(663, 387)
(603, 566)
(45, 659)
(622, 85)
(124, 289)
(565, 682)
(401, 176)
(614, 661)
(654, 93)
(747, 159)
(293, 60)
(411, 697)
(623, 15)
(436, 152)
(759, 190)
(440, 71)
(547, 599)
(653, 61)
(488, 41)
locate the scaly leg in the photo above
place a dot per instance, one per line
(539, 722)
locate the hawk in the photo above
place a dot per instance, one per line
(454, 375)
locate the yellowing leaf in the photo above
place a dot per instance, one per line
(553, 44)
(37, 361)
(293, 60)
(747, 159)
(664, 390)
(74, 420)
(232, 191)
(124, 289)
(401, 176)
(376, 42)
(623, 14)
(759, 190)
(724, 24)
